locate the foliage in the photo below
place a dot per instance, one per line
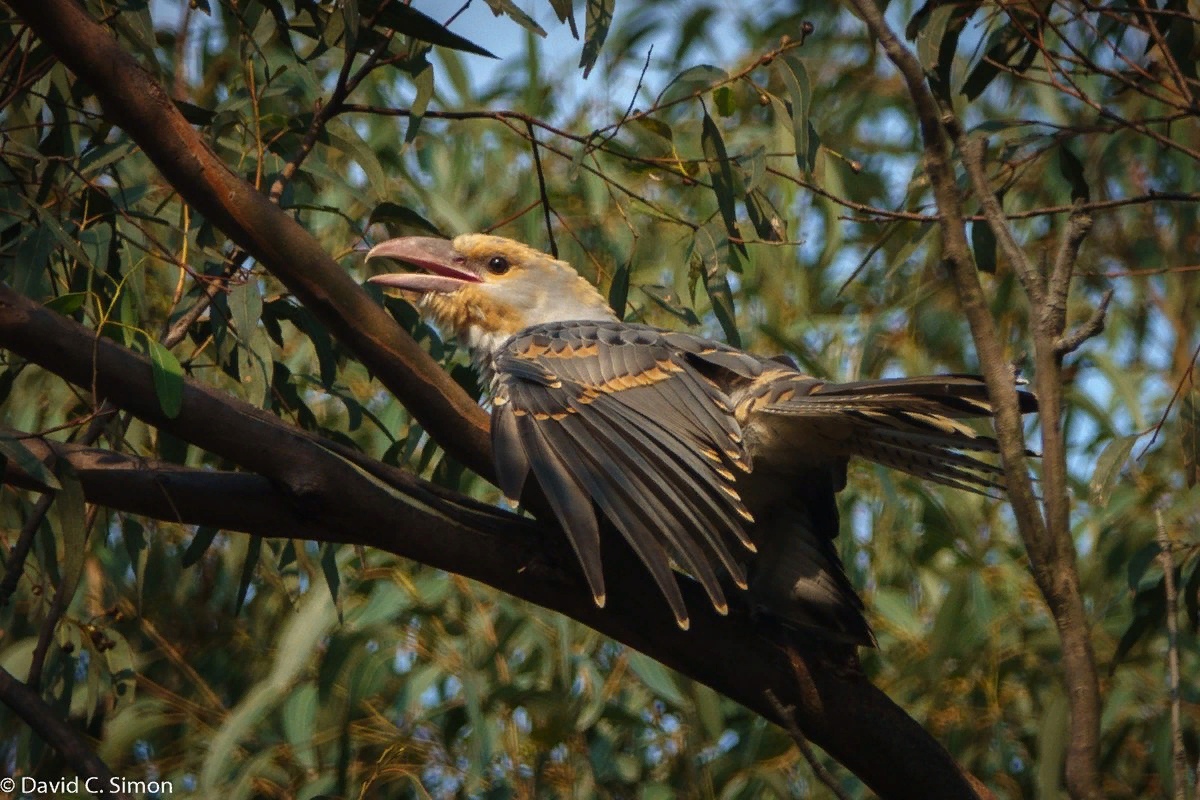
(778, 201)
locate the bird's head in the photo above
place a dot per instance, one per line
(483, 289)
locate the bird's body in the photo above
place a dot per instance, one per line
(705, 457)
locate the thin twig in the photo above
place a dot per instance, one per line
(1170, 403)
(972, 151)
(1179, 770)
(1094, 326)
(62, 596)
(20, 550)
(541, 177)
(787, 714)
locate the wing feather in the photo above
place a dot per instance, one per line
(571, 505)
(618, 415)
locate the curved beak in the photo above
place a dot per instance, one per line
(446, 267)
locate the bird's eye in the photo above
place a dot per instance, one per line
(498, 265)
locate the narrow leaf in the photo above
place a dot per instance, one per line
(599, 20)
(721, 173)
(618, 290)
(407, 20)
(168, 378)
(795, 77)
(199, 545)
(509, 9)
(13, 450)
(983, 243)
(253, 550)
(657, 678)
(1071, 168)
(1108, 467)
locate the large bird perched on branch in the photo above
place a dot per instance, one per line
(719, 462)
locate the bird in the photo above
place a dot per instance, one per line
(707, 459)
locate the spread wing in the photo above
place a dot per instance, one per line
(909, 424)
(625, 416)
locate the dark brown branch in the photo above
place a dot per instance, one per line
(851, 719)
(312, 490)
(137, 103)
(46, 722)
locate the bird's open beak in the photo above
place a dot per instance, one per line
(447, 268)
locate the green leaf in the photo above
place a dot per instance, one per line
(71, 510)
(654, 126)
(599, 20)
(795, 77)
(930, 34)
(983, 245)
(402, 221)
(667, 300)
(409, 21)
(692, 82)
(193, 113)
(351, 19)
(1003, 46)
(1071, 168)
(253, 550)
(199, 545)
(1149, 613)
(1108, 467)
(618, 290)
(67, 304)
(168, 378)
(1140, 562)
(565, 11)
(13, 450)
(721, 173)
(657, 678)
(423, 81)
(509, 9)
(333, 578)
(723, 100)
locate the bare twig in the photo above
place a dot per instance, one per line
(972, 152)
(1179, 771)
(20, 550)
(62, 596)
(541, 177)
(787, 714)
(1162, 420)
(1094, 326)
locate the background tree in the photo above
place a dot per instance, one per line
(947, 187)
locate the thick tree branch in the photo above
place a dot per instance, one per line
(319, 494)
(1047, 538)
(135, 101)
(851, 719)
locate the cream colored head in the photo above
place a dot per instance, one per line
(483, 289)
